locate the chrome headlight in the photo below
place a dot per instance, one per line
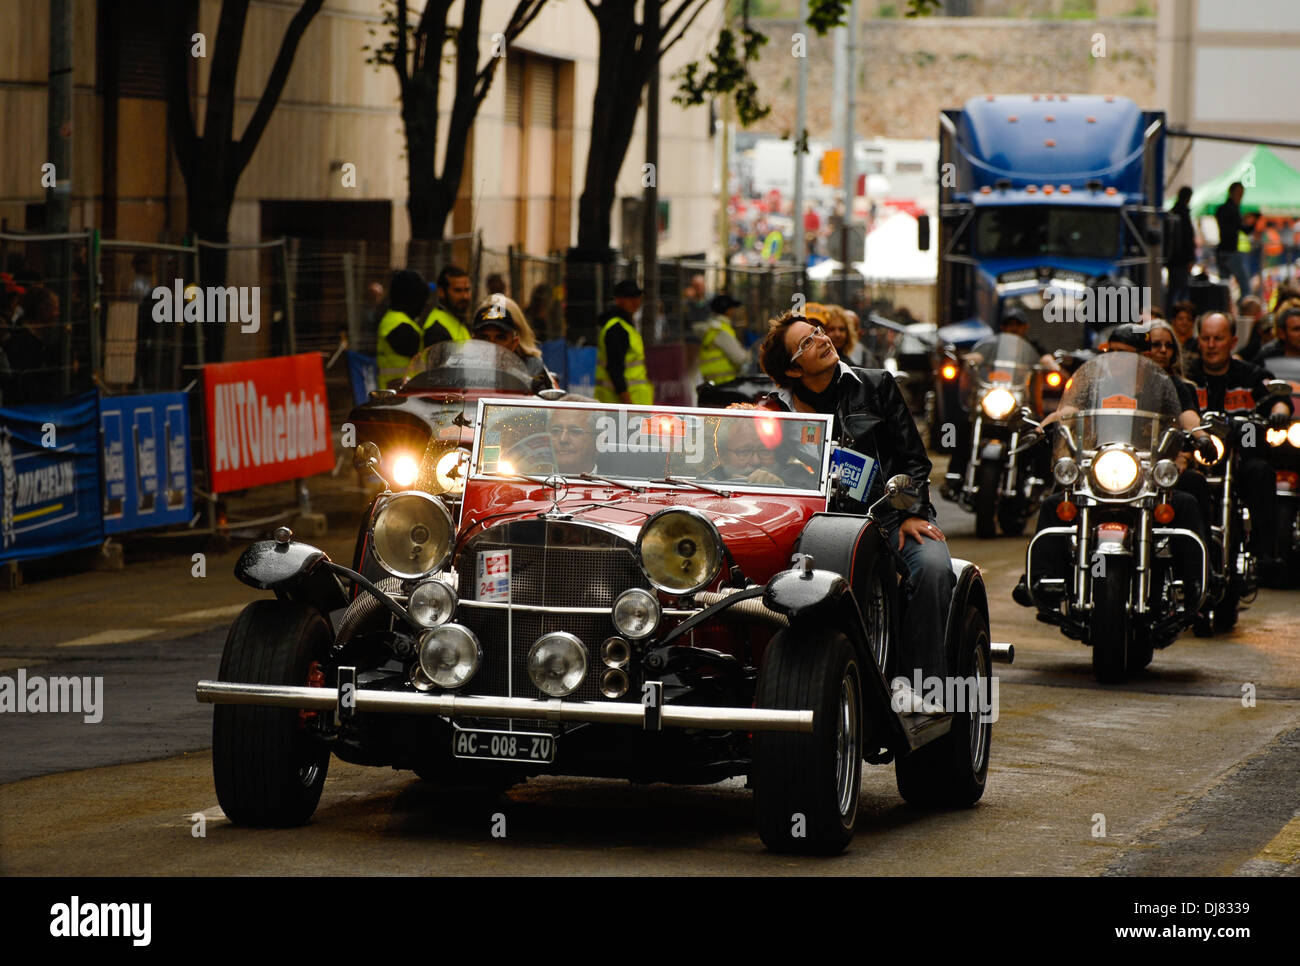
(449, 655)
(451, 469)
(412, 535)
(998, 403)
(1065, 471)
(432, 603)
(1165, 473)
(1293, 435)
(1275, 437)
(680, 550)
(557, 663)
(1218, 452)
(636, 613)
(406, 469)
(1115, 470)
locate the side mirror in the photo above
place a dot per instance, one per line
(923, 233)
(900, 492)
(376, 394)
(367, 454)
(551, 395)
(1278, 387)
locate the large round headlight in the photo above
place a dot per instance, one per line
(451, 469)
(406, 469)
(412, 535)
(1065, 471)
(1293, 435)
(449, 655)
(432, 603)
(557, 663)
(1165, 473)
(636, 613)
(1115, 470)
(998, 403)
(680, 550)
(1275, 437)
(1218, 452)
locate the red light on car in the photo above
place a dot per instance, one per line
(1047, 188)
(769, 432)
(1012, 119)
(1164, 513)
(1065, 189)
(1066, 511)
(949, 372)
(1112, 190)
(1054, 379)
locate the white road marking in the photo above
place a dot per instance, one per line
(202, 615)
(111, 637)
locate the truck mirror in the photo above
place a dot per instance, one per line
(923, 233)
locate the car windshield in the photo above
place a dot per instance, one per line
(1118, 397)
(1005, 360)
(476, 364)
(745, 448)
(1018, 231)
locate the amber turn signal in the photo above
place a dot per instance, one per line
(949, 372)
(1066, 511)
(1164, 513)
(1053, 379)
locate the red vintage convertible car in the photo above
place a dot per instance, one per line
(657, 595)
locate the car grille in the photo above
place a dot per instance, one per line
(553, 565)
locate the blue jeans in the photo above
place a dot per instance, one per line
(925, 614)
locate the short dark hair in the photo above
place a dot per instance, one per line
(1178, 307)
(407, 291)
(448, 273)
(1185, 194)
(1289, 313)
(773, 356)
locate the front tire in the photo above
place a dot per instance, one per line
(806, 786)
(952, 771)
(1108, 629)
(988, 478)
(268, 768)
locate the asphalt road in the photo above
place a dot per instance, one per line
(1168, 774)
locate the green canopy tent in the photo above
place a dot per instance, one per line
(1272, 186)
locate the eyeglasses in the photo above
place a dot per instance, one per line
(1166, 346)
(817, 333)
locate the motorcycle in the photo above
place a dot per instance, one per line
(1285, 450)
(999, 484)
(1115, 574)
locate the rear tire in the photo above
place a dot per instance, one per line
(806, 786)
(1011, 520)
(988, 477)
(268, 768)
(1108, 630)
(952, 771)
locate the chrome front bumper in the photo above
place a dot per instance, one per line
(349, 700)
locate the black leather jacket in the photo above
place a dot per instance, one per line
(872, 417)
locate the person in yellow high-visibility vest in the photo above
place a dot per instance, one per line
(452, 305)
(398, 338)
(621, 374)
(721, 354)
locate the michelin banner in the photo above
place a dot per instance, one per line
(49, 478)
(146, 442)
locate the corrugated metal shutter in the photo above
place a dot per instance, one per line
(543, 82)
(514, 89)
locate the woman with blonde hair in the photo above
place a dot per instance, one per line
(500, 321)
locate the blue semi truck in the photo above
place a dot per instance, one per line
(1049, 203)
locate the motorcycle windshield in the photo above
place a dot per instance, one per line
(476, 364)
(1005, 360)
(1118, 397)
(1285, 367)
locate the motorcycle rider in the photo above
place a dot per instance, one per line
(1227, 384)
(872, 418)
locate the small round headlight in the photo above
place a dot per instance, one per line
(557, 663)
(1165, 473)
(1065, 471)
(412, 535)
(449, 655)
(1114, 470)
(405, 469)
(451, 469)
(1275, 437)
(1293, 435)
(680, 550)
(1218, 452)
(998, 403)
(432, 603)
(616, 652)
(636, 613)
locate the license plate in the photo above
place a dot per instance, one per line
(503, 745)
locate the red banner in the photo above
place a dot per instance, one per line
(267, 421)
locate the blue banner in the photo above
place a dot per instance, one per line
(146, 445)
(49, 478)
(555, 356)
(363, 374)
(582, 370)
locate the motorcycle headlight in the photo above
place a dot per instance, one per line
(557, 663)
(449, 655)
(1065, 471)
(406, 469)
(998, 403)
(1293, 435)
(680, 550)
(636, 613)
(1165, 473)
(412, 535)
(1275, 437)
(432, 603)
(1218, 452)
(451, 469)
(1114, 470)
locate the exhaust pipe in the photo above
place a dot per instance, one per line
(1002, 653)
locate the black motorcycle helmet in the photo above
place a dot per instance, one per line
(1135, 337)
